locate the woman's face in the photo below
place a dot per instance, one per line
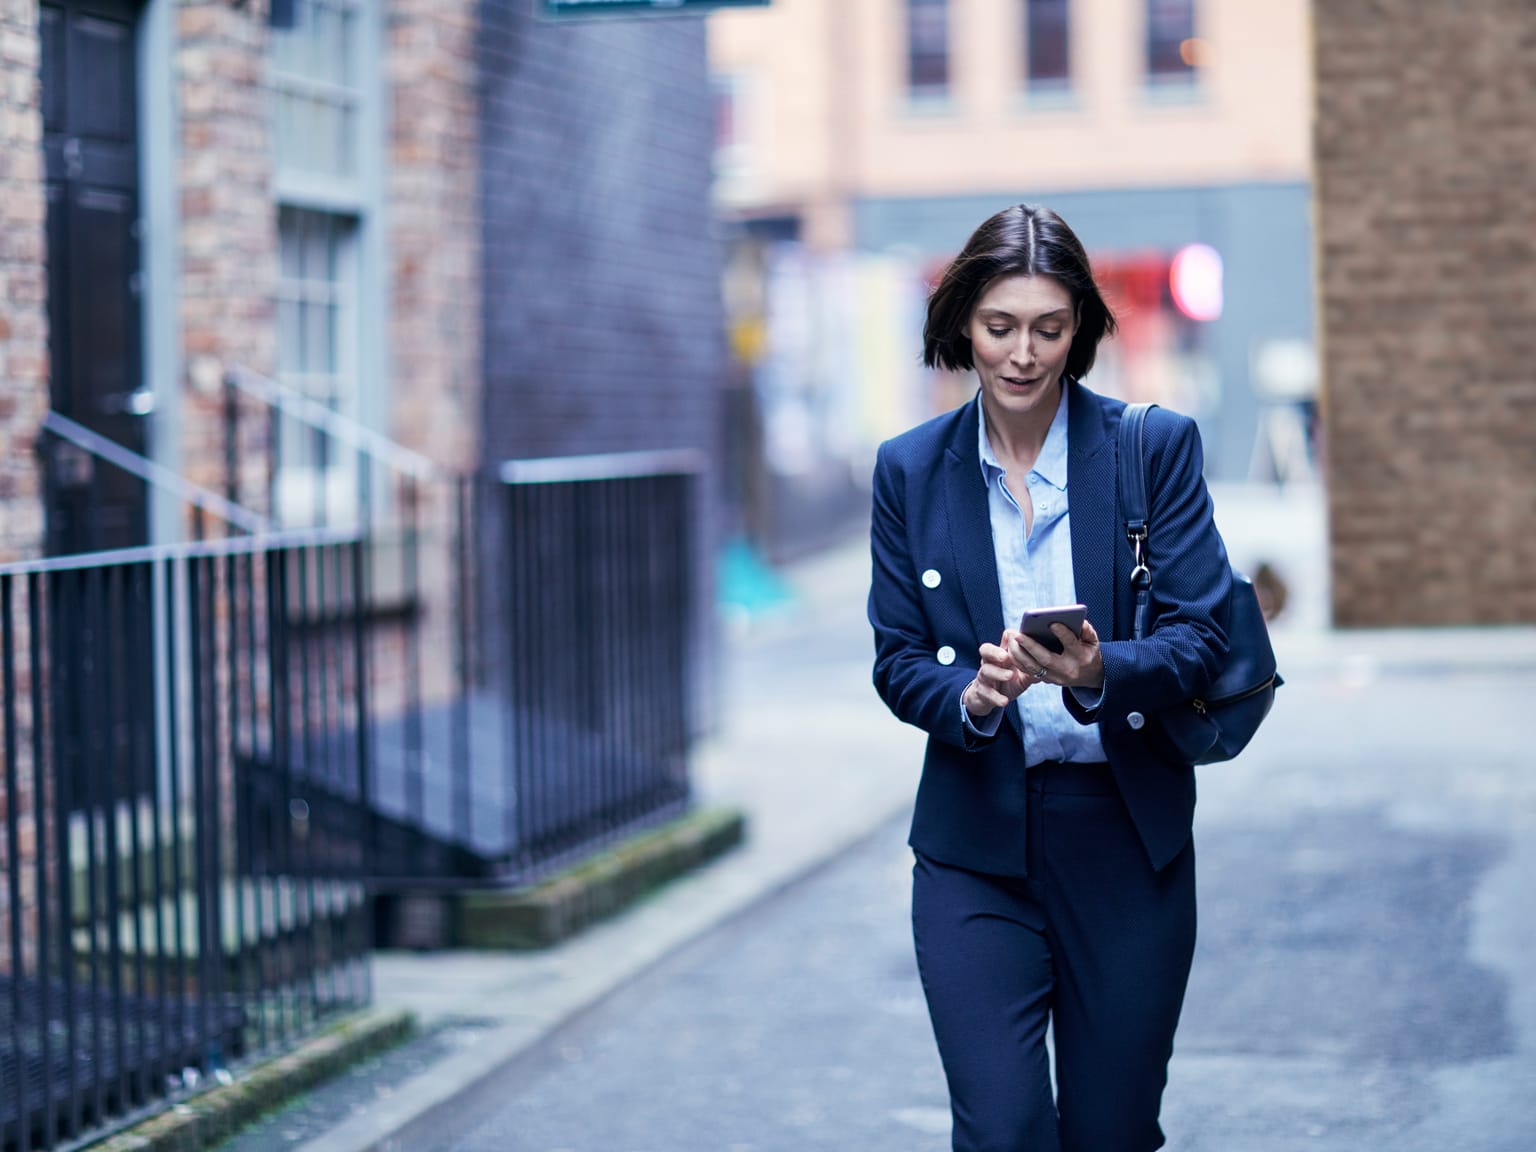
(1021, 331)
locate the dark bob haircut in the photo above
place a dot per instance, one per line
(1024, 240)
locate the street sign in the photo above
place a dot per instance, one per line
(576, 9)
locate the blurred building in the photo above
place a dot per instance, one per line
(455, 229)
(1426, 210)
(476, 231)
(1171, 134)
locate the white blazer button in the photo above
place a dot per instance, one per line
(1136, 720)
(946, 655)
(931, 578)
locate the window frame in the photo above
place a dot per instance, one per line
(1160, 50)
(289, 176)
(730, 94)
(355, 202)
(1032, 27)
(941, 52)
(297, 479)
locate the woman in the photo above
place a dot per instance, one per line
(1054, 876)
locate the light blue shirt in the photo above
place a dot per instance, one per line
(1034, 570)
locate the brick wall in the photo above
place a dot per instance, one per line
(24, 401)
(23, 283)
(1426, 217)
(228, 221)
(19, 785)
(434, 218)
(434, 239)
(604, 326)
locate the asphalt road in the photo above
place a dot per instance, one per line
(1365, 978)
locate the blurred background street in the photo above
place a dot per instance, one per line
(1362, 978)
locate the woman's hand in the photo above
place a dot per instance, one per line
(998, 681)
(1078, 665)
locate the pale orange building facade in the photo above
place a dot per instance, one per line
(896, 126)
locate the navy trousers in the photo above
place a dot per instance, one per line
(1095, 942)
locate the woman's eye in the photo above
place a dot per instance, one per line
(1050, 335)
(997, 333)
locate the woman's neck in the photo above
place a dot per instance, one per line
(1017, 439)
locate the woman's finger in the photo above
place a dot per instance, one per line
(1030, 656)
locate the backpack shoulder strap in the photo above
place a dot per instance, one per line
(1133, 469)
(1133, 506)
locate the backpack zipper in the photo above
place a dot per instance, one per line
(1202, 706)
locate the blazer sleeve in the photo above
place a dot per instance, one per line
(1186, 646)
(914, 685)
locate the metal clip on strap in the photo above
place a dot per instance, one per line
(1141, 575)
(1133, 506)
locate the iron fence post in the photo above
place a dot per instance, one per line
(35, 617)
(13, 864)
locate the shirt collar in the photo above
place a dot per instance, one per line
(1051, 465)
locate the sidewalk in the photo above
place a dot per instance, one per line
(796, 677)
(791, 680)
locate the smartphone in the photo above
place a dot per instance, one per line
(1037, 622)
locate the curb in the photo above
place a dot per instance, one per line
(599, 887)
(460, 1086)
(212, 1117)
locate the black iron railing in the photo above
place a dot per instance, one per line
(530, 640)
(598, 574)
(181, 889)
(216, 754)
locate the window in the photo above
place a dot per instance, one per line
(325, 176)
(315, 83)
(316, 355)
(728, 91)
(1172, 50)
(736, 181)
(1047, 45)
(928, 47)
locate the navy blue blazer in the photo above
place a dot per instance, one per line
(930, 512)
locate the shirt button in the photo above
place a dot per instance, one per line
(946, 655)
(1136, 720)
(931, 578)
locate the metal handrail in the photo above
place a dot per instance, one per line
(414, 473)
(603, 466)
(187, 550)
(340, 428)
(151, 473)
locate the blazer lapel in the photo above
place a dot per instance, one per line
(970, 536)
(970, 529)
(1092, 479)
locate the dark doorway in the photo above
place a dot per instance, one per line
(90, 137)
